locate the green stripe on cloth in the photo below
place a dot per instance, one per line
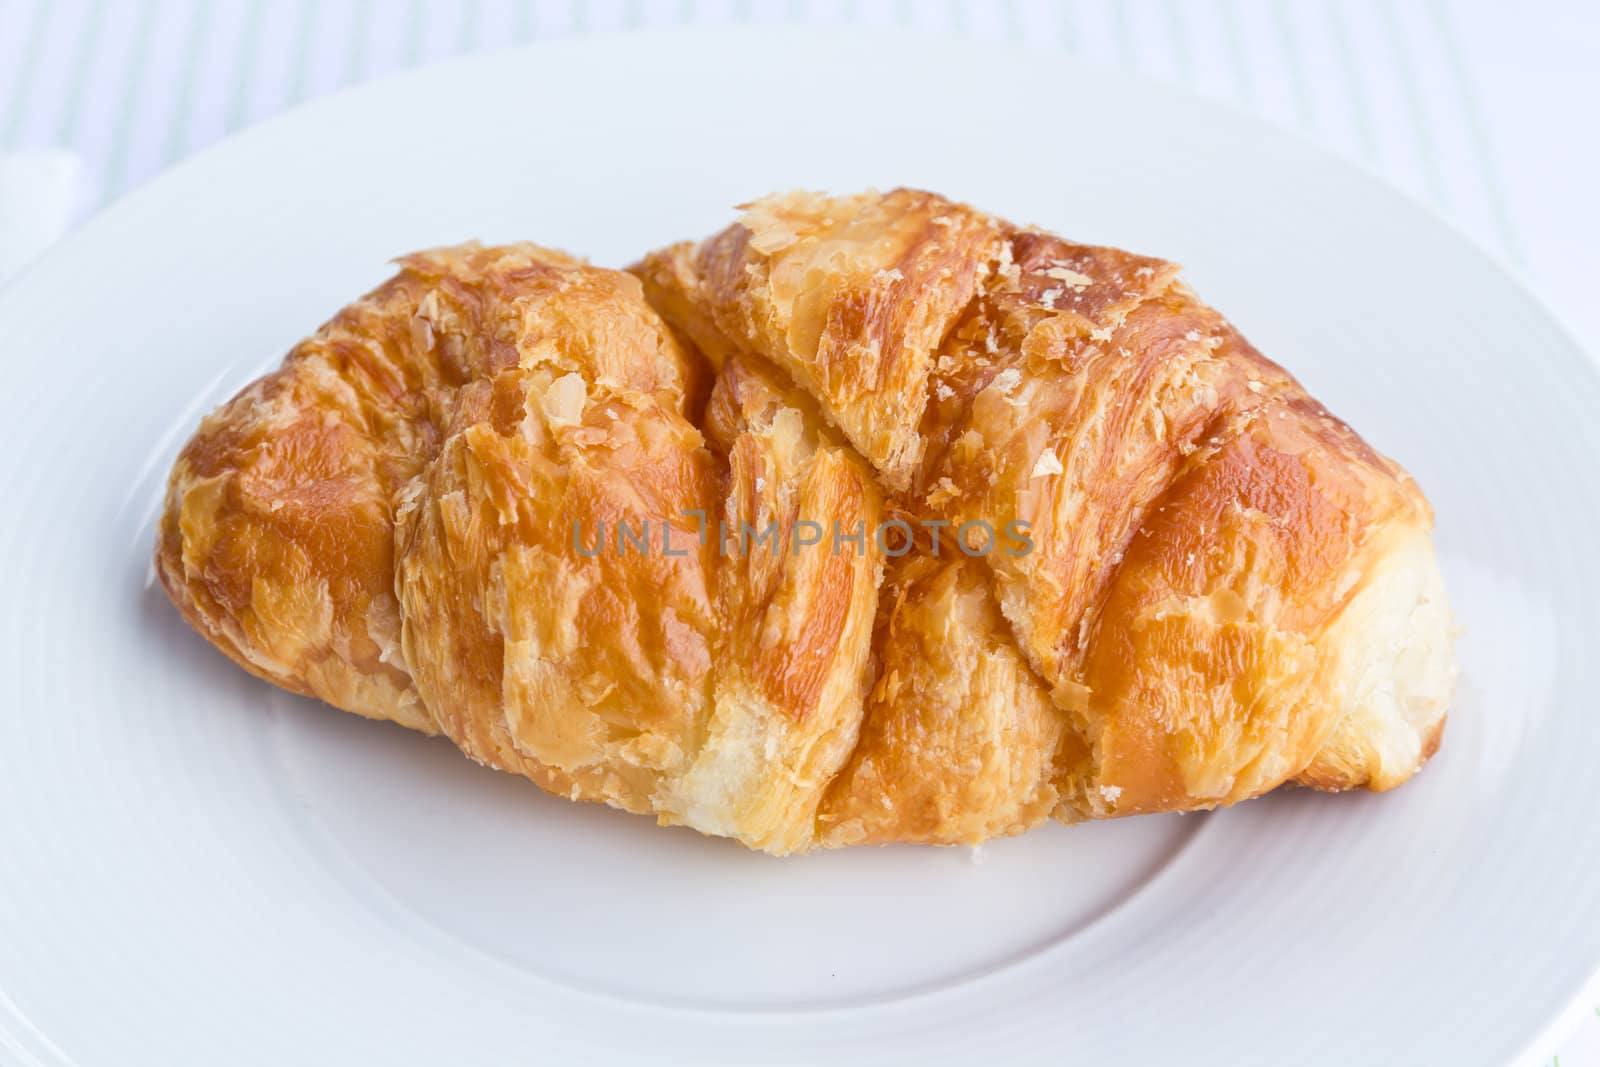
(122, 136)
(183, 104)
(467, 28)
(1239, 56)
(1181, 44)
(70, 128)
(1066, 27)
(1479, 138)
(245, 65)
(355, 57)
(1122, 26)
(300, 65)
(1283, 22)
(1015, 33)
(36, 29)
(1366, 133)
(414, 26)
(1416, 110)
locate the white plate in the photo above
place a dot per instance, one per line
(198, 869)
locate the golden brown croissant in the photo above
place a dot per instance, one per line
(868, 519)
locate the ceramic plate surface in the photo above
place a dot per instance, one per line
(198, 869)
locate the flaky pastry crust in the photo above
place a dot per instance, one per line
(418, 517)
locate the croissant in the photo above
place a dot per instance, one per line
(868, 519)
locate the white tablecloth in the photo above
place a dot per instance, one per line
(1482, 111)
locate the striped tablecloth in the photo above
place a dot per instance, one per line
(1481, 111)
